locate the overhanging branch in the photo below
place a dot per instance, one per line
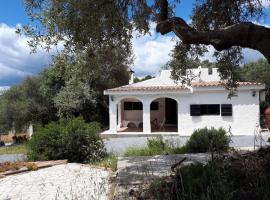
(246, 34)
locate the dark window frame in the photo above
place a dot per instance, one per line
(226, 110)
(133, 105)
(204, 109)
(195, 110)
(210, 109)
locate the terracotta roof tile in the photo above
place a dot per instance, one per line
(220, 83)
(146, 88)
(176, 87)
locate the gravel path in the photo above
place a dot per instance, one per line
(69, 181)
(141, 169)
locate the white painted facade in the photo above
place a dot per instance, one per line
(245, 106)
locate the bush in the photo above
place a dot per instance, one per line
(208, 140)
(72, 139)
(194, 182)
(236, 177)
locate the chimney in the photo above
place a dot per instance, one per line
(131, 79)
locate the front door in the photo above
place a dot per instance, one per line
(170, 111)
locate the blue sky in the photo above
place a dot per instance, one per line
(151, 51)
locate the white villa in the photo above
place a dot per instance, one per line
(161, 106)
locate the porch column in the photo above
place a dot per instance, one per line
(146, 117)
(119, 114)
(113, 115)
(178, 117)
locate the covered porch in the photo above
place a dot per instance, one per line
(143, 115)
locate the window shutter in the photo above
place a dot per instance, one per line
(195, 110)
(226, 109)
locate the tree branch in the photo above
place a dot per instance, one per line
(246, 34)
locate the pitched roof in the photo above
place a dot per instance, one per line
(221, 83)
(164, 82)
(176, 87)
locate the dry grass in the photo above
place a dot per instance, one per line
(15, 149)
(8, 166)
(109, 162)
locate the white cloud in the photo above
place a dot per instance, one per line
(16, 62)
(265, 3)
(251, 55)
(151, 51)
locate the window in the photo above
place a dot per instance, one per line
(204, 109)
(133, 106)
(226, 109)
(154, 105)
(195, 110)
(210, 109)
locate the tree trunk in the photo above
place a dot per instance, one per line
(246, 34)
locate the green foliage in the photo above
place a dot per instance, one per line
(137, 79)
(67, 88)
(234, 178)
(71, 139)
(72, 22)
(24, 104)
(258, 71)
(208, 140)
(194, 182)
(15, 149)
(201, 141)
(185, 57)
(213, 15)
(79, 87)
(109, 162)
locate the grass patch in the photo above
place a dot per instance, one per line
(146, 151)
(14, 149)
(109, 162)
(155, 146)
(201, 141)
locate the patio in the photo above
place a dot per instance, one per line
(166, 128)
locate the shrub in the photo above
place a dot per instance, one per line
(194, 182)
(157, 143)
(208, 140)
(236, 177)
(72, 139)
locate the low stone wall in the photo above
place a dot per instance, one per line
(120, 144)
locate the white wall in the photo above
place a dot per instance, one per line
(242, 122)
(202, 74)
